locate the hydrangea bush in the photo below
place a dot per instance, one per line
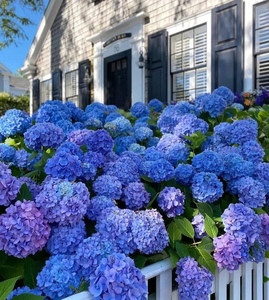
(88, 198)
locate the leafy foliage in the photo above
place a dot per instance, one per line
(8, 101)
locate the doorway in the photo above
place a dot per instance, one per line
(117, 79)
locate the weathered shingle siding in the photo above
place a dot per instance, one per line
(77, 20)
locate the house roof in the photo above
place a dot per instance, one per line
(19, 82)
(40, 36)
(4, 70)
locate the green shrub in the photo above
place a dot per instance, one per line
(8, 101)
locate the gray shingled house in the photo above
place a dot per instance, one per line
(123, 51)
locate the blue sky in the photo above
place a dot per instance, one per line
(13, 57)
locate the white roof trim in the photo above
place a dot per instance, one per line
(4, 69)
(41, 34)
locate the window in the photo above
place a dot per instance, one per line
(189, 63)
(45, 91)
(71, 87)
(262, 45)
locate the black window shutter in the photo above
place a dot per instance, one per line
(84, 80)
(227, 46)
(57, 85)
(157, 66)
(36, 95)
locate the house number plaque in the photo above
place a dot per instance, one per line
(116, 38)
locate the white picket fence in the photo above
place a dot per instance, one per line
(244, 284)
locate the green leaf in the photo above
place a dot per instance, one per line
(12, 267)
(205, 259)
(24, 193)
(174, 257)
(31, 269)
(182, 250)
(265, 130)
(28, 297)
(267, 254)
(185, 227)
(205, 209)
(206, 244)
(174, 233)
(210, 227)
(265, 279)
(7, 286)
(140, 261)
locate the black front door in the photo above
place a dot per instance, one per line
(117, 79)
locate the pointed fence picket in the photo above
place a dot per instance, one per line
(246, 283)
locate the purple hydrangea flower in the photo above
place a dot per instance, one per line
(14, 121)
(7, 152)
(64, 165)
(135, 195)
(158, 170)
(9, 187)
(257, 251)
(261, 173)
(80, 137)
(65, 239)
(116, 224)
(194, 282)
(184, 174)
(62, 201)
(118, 127)
(23, 229)
(24, 290)
(206, 187)
(171, 200)
(230, 251)
(264, 235)
(122, 143)
(100, 141)
(143, 133)
(117, 278)
(4, 168)
(252, 151)
(59, 277)
(97, 204)
(95, 158)
(208, 161)
(242, 222)
(199, 226)
(109, 186)
(33, 187)
(250, 192)
(225, 93)
(155, 105)
(139, 110)
(43, 135)
(90, 252)
(149, 233)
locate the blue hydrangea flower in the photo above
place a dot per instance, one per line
(225, 93)
(257, 251)
(169, 119)
(230, 251)
(222, 133)
(139, 110)
(125, 170)
(264, 235)
(96, 110)
(241, 221)
(155, 105)
(90, 252)
(158, 170)
(116, 225)
(13, 122)
(109, 186)
(7, 152)
(100, 141)
(185, 107)
(153, 153)
(80, 137)
(93, 123)
(24, 290)
(211, 103)
(97, 204)
(242, 131)
(135, 157)
(95, 158)
(171, 200)
(76, 112)
(135, 195)
(65, 239)
(43, 135)
(62, 201)
(52, 111)
(136, 148)
(189, 124)
(252, 151)
(143, 133)
(206, 187)
(9, 187)
(21, 159)
(65, 125)
(64, 165)
(59, 277)
(23, 229)
(238, 106)
(112, 117)
(208, 161)
(72, 148)
(117, 278)
(152, 142)
(149, 232)
(261, 174)
(118, 127)
(122, 143)
(198, 223)
(184, 174)
(194, 282)
(250, 192)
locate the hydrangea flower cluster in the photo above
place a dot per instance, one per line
(97, 204)
(199, 226)
(23, 229)
(194, 282)
(9, 187)
(24, 290)
(109, 186)
(135, 195)
(7, 153)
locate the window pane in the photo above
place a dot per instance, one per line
(71, 85)
(45, 90)
(200, 44)
(263, 70)
(262, 28)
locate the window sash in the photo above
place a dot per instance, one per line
(71, 85)
(45, 90)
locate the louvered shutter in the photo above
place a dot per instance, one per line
(227, 46)
(84, 79)
(262, 45)
(157, 66)
(57, 85)
(36, 94)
